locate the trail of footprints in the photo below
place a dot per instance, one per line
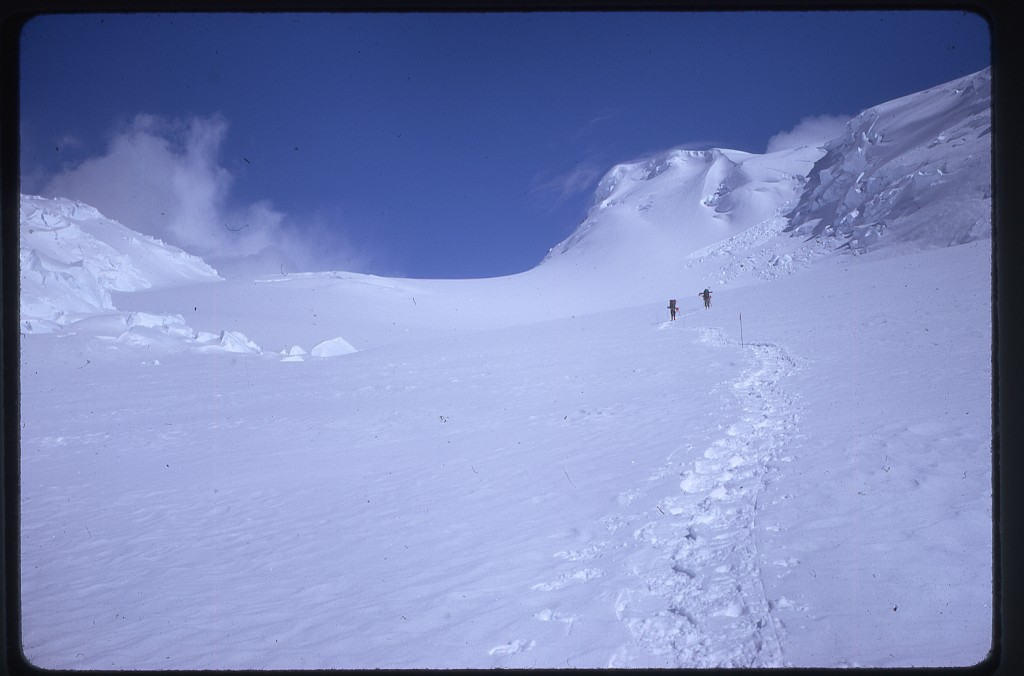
(698, 598)
(710, 605)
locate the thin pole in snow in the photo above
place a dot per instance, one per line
(741, 330)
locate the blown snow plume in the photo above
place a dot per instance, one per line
(72, 257)
(915, 171)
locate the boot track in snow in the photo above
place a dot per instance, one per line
(700, 600)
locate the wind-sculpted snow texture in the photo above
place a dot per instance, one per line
(915, 170)
(73, 258)
(338, 470)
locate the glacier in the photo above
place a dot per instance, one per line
(340, 470)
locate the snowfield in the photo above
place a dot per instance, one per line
(337, 470)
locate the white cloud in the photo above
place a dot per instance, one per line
(69, 141)
(163, 178)
(809, 131)
(582, 178)
(591, 126)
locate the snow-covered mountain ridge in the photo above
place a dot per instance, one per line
(913, 170)
(910, 173)
(651, 214)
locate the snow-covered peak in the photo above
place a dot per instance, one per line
(72, 257)
(913, 170)
(627, 178)
(651, 214)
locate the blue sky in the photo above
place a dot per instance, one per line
(430, 145)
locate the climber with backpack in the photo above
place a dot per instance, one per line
(706, 295)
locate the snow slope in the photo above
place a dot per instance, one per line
(649, 214)
(916, 171)
(539, 470)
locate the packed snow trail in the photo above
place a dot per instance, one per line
(679, 562)
(700, 599)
